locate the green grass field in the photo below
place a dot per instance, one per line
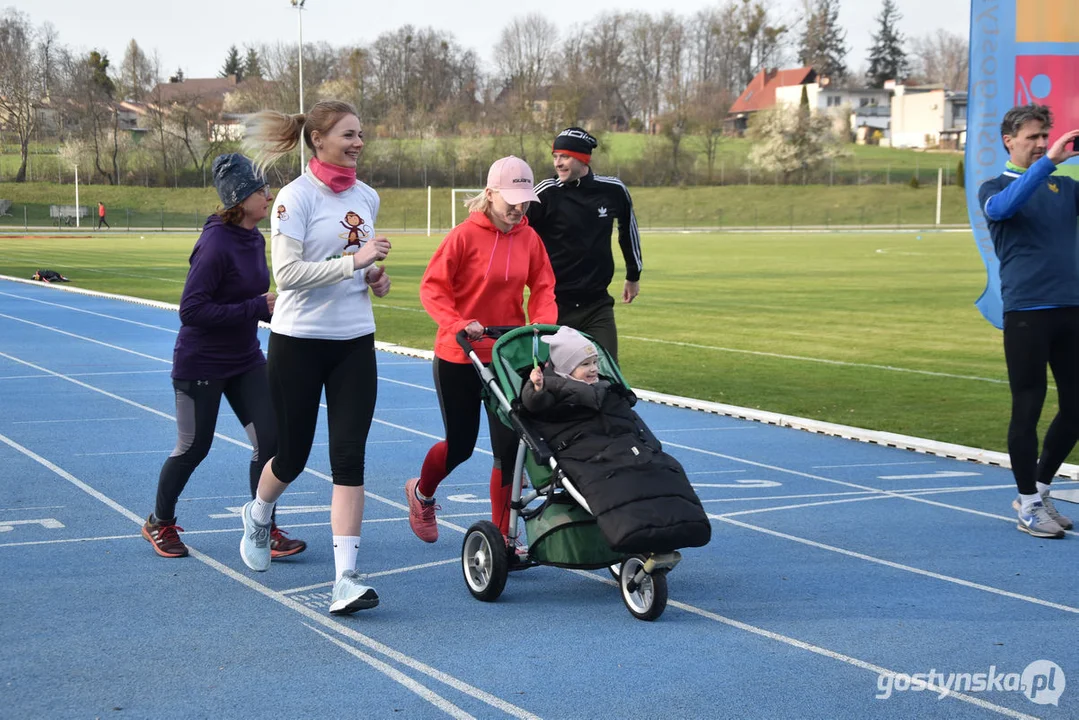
(692, 207)
(872, 330)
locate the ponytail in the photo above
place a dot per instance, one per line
(270, 135)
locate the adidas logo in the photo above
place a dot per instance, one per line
(603, 212)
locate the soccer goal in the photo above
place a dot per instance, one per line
(454, 201)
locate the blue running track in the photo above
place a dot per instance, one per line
(836, 571)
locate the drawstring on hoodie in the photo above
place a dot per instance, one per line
(494, 250)
(491, 260)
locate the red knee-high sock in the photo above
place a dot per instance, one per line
(433, 470)
(500, 501)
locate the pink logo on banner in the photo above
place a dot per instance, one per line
(1050, 80)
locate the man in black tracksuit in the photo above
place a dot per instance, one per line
(575, 219)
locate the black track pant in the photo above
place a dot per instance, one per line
(1034, 339)
(299, 369)
(595, 319)
(197, 406)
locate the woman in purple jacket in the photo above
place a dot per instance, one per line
(217, 351)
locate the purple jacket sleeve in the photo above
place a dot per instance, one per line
(198, 306)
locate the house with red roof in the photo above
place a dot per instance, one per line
(760, 94)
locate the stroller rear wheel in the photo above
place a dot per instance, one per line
(645, 595)
(485, 561)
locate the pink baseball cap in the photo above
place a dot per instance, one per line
(512, 178)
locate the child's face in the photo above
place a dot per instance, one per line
(588, 371)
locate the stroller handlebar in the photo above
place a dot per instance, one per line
(495, 331)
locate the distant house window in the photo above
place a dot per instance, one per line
(863, 102)
(959, 112)
(834, 101)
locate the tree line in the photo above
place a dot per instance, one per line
(666, 75)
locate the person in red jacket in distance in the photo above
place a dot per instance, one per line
(476, 279)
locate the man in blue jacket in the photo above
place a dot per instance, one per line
(1032, 217)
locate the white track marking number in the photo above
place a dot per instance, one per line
(47, 523)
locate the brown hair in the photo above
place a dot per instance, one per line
(233, 216)
(271, 134)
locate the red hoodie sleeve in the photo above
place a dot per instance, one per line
(436, 287)
(541, 304)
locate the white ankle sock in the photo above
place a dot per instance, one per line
(421, 496)
(262, 511)
(1029, 500)
(1043, 489)
(345, 550)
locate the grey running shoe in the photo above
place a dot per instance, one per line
(1062, 520)
(255, 543)
(1038, 523)
(350, 594)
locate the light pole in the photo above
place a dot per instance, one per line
(298, 4)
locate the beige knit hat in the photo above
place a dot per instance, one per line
(569, 349)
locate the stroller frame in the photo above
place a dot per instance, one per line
(486, 557)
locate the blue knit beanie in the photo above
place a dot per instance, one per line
(235, 179)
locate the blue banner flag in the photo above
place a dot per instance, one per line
(1021, 51)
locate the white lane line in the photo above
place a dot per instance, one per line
(26, 543)
(930, 476)
(856, 486)
(765, 498)
(898, 566)
(70, 420)
(399, 677)
(709, 429)
(149, 326)
(133, 275)
(38, 507)
(124, 452)
(291, 494)
(822, 651)
(38, 376)
(380, 573)
(823, 361)
(87, 339)
(319, 619)
(887, 464)
(715, 472)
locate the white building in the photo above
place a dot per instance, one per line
(853, 108)
(928, 116)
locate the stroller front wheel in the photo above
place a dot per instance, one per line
(485, 561)
(645, 595)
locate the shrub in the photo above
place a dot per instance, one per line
(914, 182)
(960, 174)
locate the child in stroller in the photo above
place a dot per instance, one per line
(601, 474)
(640, 496)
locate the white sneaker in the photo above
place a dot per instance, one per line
(1062, 520)
(255, 543)
(1037, 522)
(350, 594)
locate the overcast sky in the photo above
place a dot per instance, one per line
(195, 35)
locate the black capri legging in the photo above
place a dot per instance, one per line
(299, 368)
(197, 406)
(458, 386)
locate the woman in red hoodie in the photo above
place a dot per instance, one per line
(476, 279)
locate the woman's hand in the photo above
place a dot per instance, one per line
(474, 331)
(271, 299)
(537, 379)
(374, 250)
(377, 280)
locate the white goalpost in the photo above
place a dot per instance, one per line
(467, 192)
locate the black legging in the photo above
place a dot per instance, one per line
(197, 406)
(299, 368)
(458, 386)
(1032, 340)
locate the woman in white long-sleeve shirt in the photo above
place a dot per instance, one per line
(324, 249)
